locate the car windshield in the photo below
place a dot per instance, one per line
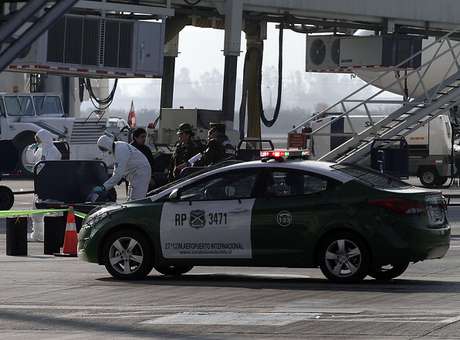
(191, 175)
(370, 177)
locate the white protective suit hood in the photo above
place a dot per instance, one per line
(47, 151)
(45, 137)
(105, 143)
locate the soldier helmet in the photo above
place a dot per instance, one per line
(185, 128)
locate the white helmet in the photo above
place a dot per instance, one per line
(105, 143)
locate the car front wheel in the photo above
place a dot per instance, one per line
(388, 272)
(173, 270)
(344, 258)
(128, 255)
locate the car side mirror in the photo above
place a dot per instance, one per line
(174, 195)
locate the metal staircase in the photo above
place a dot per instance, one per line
(87, 131)
(25, 25)
(409, 115)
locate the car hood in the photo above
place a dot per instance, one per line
(106, 209)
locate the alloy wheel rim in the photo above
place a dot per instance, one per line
(126, 255)
(343, 258)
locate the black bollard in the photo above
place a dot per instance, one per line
(54, 234)
(16, 236)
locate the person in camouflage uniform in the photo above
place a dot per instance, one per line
(185, 149)
(218, 147)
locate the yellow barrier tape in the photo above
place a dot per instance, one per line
(26, 213)
(80, 214)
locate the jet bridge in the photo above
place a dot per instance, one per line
(424, 17)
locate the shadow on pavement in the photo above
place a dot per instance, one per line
(295, 283)
(55, 323)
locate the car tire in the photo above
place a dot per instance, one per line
(6, 198)
(344, 258)
(428, 177)
(173, 270)
(128, 249)
(382, 273)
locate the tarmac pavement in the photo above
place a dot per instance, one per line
(45, 297)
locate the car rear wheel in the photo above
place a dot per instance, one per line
(173, 270)
(388, 272)
(128, 255)
(344, 258)
(6, 198)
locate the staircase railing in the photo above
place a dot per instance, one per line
(344, 111)
(409, 114)
(38, 26)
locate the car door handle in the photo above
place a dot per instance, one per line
(238, 211)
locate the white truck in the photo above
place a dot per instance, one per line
(22, 115)
(430, 146)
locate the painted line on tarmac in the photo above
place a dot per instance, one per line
(232, 319)
(283, 319)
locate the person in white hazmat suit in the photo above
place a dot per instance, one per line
(45, 151)
(129, 163)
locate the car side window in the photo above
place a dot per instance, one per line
(233, 185)
(293, 183)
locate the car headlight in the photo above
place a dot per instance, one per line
(95, 219)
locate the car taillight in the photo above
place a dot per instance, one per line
(399, 205)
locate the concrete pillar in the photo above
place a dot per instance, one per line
(169, 66)
(228, 97)
(232, 48)
(173, 27)
(255, 35)
(67, 88)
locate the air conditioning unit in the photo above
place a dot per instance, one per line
(380, 51)
(98, 48)
(323, 54)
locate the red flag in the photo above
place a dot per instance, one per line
(132, 116)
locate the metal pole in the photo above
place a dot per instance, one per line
(232, 46)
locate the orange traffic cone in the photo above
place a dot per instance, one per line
(70, 238)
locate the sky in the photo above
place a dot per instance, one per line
(201, 52)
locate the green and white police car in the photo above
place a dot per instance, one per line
(349, 221)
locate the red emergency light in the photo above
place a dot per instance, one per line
(291, 154)
(273, 154)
